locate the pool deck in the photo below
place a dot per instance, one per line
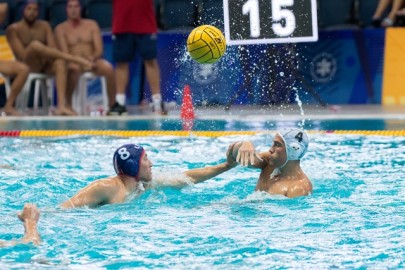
(360, 119)
(289, 112)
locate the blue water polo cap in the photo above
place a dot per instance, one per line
(296, 142)
(127, 159)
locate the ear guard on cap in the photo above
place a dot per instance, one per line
(296, 143)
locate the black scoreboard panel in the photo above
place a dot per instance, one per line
(270, 21)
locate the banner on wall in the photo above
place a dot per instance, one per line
(343, 67)
(394, 72)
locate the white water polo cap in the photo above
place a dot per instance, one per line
(296, 143)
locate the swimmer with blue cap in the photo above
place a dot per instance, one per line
(133, 175)
(281, 172)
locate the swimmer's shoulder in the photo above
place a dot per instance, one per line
(112, 182)
(300, 187)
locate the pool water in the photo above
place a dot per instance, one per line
(253, 123)
(355, 219)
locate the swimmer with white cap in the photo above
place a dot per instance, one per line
(133, 175)
(281, 172)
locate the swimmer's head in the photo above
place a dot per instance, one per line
(127, 159)
(296, 143)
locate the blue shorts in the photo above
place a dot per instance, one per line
(127, 44)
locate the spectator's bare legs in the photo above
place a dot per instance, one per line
(101, 68)
(30, 216)
(20, 71)
(61, 78)
(153, 77)
(121, 78)
(104, 68)
(382, 6)
(36, 49)
(74, 72)
(36, 64)
(396, 6)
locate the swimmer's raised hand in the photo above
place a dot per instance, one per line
(30, 212)
(247, 154)
(30, 216)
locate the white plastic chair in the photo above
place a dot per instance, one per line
(43, 84)
(6, 84)
(79, 101)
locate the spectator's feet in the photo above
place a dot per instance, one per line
(65, 112)
(159, 109)
(387, 22)
(10, 112)
(117, 109)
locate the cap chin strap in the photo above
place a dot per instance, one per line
(278, 169)
(275, 172)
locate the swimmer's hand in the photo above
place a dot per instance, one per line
(230, 159)
(247, 154)
(30, 212)
(30, 216)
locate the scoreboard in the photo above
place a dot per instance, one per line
(270, 21)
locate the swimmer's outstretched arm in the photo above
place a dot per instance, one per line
(244, 153)
(29, 216)
(198, 175)
(202, 174)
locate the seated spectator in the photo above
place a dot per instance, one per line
(382, 6)
(33, 43)
(14, 69)
(3, 12)
(82, 37)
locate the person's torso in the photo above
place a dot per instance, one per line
(28, 34)
(134, 16)
(280, 185)
(79, 39)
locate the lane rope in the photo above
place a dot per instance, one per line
(146, 133)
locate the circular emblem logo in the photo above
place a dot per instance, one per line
(205, 74)
(323, 67)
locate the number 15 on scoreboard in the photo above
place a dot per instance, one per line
(270, 21)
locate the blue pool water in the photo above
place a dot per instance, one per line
(355, 218)
(244, 123)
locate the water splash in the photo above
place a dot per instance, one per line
(299, 102)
